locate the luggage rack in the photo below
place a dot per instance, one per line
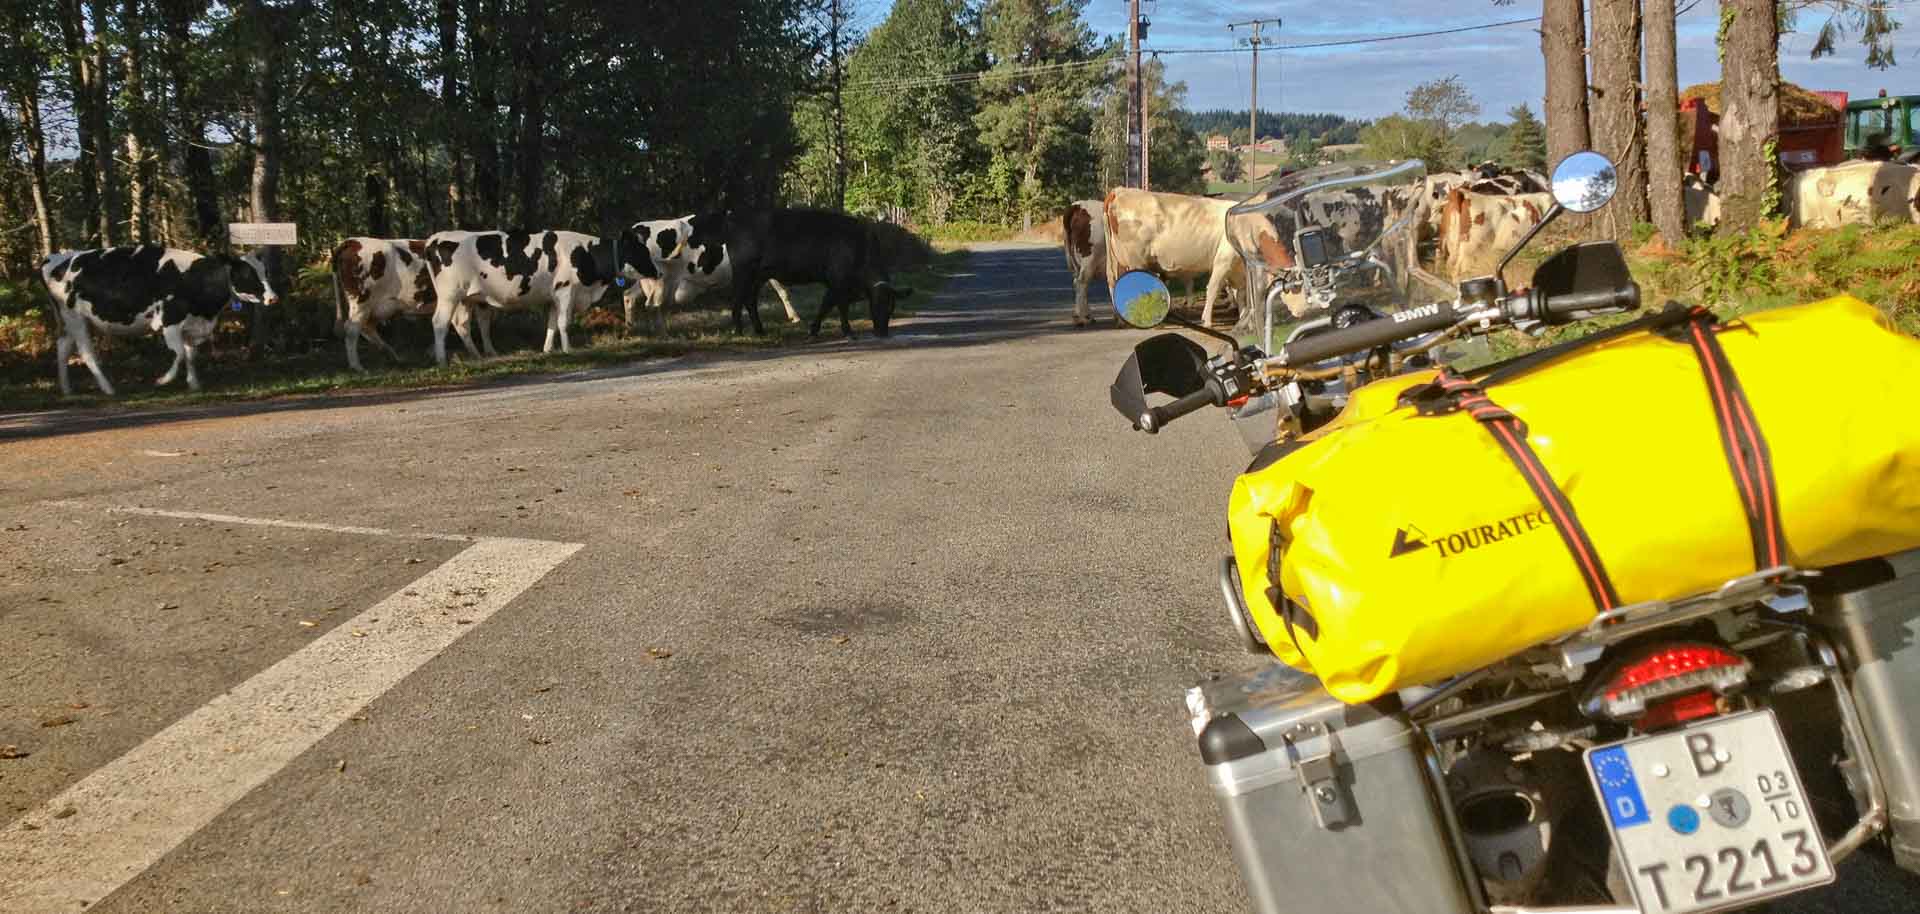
(1773, 588)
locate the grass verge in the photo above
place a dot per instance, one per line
(27, 378)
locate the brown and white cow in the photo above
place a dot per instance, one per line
(1476, 230)
(1856, 193)
(142, 290)
(1174, 236)
(1085, 222)
(375, 279)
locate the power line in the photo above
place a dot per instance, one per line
(1347, 42)
(915, 82)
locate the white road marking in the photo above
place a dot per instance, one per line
(261, 521)
(134, 810)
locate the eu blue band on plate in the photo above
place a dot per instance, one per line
(1619, 790)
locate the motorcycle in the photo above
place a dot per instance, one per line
(1704, 753)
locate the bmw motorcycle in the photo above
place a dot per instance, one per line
(1722, 750)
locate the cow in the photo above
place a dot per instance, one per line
(1702, 204)
(1172, 235)
(853, 257)
(1477, 229)
(1085, 222)
(142, 290)
(1860, 193)
(375, 279)
(565, 271)
(679, 276)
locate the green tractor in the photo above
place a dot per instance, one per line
(1886, 128)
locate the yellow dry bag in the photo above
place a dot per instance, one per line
(1444, 522)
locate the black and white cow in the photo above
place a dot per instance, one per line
(146, 289)
(566, 272)
(684, 272)
(854, 258)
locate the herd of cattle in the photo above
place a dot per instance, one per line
(1466, 219)
(459, 278)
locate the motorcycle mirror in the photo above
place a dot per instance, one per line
(1584, 181)
(1141, 299)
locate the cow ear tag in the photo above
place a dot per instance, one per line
(238, 305)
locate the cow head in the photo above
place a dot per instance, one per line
(247, 276)
(880, 302)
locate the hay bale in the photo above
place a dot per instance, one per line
(1798, 107)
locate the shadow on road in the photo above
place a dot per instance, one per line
(1005, 291)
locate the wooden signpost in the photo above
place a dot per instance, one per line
(263, 233)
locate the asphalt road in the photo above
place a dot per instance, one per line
(888, 626)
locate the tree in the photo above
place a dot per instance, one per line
(1750, 119)
(25, 44)
(1443, 101)
(1664, 166)
(1029, 116)
(1618, 131)
(1397, 137)
(1177, 155)
(1226, 166)
(1526, 140)
(1871, 20)
(1563, 43)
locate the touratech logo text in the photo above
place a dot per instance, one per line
(1411, 539)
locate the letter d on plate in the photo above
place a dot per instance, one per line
(1619, 790)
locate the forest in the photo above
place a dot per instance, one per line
(165, 120)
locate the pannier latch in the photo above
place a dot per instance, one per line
(1312, 747)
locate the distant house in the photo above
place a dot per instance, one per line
(1271, 145)
(1218, 142)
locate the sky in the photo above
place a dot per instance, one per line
(1502, 67)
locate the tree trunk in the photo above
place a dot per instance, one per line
(456, 119)
(139, 166)
(533, 120)
(483, 120)
(1750, 122)
(178, 16)
(1617, 129)
(73, 36)
(265, 197)
(27, 98)
(1664, 166)
(102, 125)
(1563, 41)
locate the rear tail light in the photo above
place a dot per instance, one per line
(1667, 671)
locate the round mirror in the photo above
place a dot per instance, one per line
(1141, 299)
(1585, 181)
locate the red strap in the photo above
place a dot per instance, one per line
(1746, 448)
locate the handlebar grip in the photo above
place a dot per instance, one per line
(1573, 306)
(1156, 418)
(1368, 335)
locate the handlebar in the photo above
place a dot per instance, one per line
(1369, 334)
(1573, 306)
(1156, 418)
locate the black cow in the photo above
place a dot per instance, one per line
(852, 257)
(143, 290)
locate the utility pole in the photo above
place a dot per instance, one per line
(1253, 103)
(1136, 109)
(839, 113)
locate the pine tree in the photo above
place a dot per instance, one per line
(1036, 119)
(1526, 140)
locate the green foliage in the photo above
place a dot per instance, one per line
(1526, 140)
(1396, 137)
(1176, 154)
(1227, 165)
(1726, 268)
(1770, 198)
(1727, 15)
(1326, 129)
(1037, 120)
(1871, 21)
(1445, 102)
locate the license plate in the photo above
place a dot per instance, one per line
(1709, 817)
